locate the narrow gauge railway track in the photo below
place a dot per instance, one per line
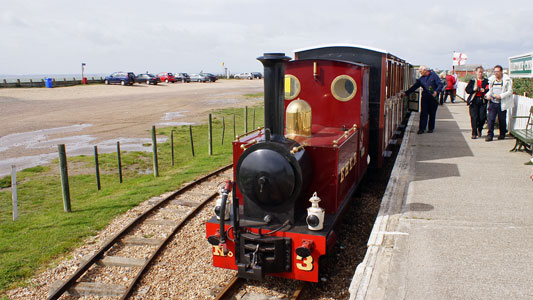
(124, 237)
(235, 283)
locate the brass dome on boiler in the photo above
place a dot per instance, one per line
(298, 118)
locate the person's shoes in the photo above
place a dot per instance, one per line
(430, 131)
(420, 131)
(474, 137)
(501, 137)
(488, 139)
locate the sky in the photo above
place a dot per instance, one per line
(55, 37)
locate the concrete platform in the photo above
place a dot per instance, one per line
(456, 220)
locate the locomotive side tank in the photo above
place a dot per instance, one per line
(313, 149)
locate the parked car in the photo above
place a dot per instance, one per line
(147, 78)
(246, 75)
(210, 76)
(123, 78)
(167, 77)
(183, 77)
(257, 75)
(198, 78)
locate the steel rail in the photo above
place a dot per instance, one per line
(236, 282)
(92, 260)
(229, 290)
(162, 246)
(297, 294)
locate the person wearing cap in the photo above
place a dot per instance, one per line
(500, 96)
(431, 86)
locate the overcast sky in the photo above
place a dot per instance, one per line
(55, 37)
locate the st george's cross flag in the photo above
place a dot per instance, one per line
(459, 58)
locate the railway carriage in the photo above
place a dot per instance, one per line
(326, 121)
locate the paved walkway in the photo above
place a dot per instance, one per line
(456, 221)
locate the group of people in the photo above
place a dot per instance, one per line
(494, 93)
(449, 81)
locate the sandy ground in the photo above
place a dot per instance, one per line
(35, 120)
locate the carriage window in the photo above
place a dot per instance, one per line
(292, 87)
(343, 88)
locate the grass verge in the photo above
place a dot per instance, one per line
(44, 233)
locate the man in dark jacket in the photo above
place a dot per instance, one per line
(477, 88)
(431, 87)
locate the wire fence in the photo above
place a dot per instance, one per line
(211, 141)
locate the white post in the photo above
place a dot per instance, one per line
(14, 191)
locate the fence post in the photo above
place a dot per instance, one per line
(97, 168)
(223, 129)
(192, 142)
(119, 160)
(31, 82)
(154, 150)
(245, 119)
(14, 195)
(172, 146)
(64, 176)
(210, 125)
(5, 83)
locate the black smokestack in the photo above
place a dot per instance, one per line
(274, 64)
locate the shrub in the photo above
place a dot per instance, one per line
(466, 78)
(523, 85)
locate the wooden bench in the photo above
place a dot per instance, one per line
(524, 137)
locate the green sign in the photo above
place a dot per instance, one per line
(521, 66)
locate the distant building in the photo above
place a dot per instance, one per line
(461, 71)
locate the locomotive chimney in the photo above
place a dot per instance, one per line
(274, 64)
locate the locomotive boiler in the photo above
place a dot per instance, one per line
(294, 177)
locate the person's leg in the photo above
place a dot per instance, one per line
(453, 96)
(491, 119)
(502, 119)
(482, 110)
(433, 106)
(423, 115)
(474, 118)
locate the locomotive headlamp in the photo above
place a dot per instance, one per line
(315, 214)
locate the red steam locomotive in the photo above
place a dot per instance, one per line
(329, 115)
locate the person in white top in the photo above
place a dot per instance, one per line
(500, 98)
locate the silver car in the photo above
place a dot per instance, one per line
(198, 78)
(246, 75)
